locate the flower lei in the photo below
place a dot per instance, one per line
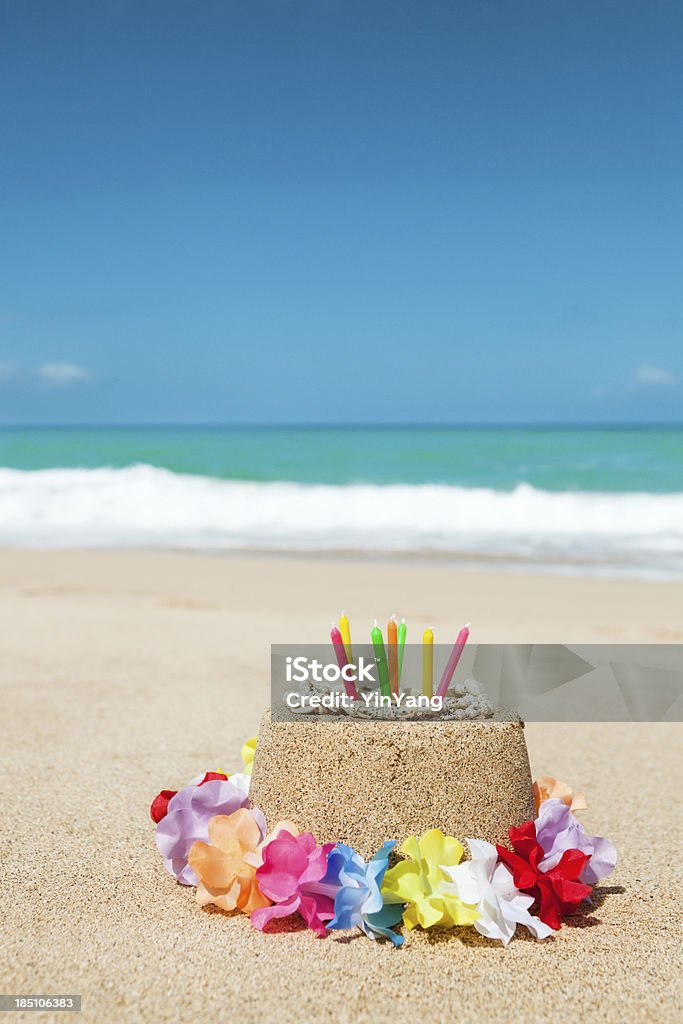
(210, 837)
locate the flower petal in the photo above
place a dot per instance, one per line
(225, 900)
(239, 829)
(523, 874)
(602, 862)
(284, 861)
(429, 912)
(261, 916)
(256, 858)
(382, 923)
(411, 848)
(438, 849)
(347, 909)
(215, 870)
(159, 808)
(315, 910)
(402, 883)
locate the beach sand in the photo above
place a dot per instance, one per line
(124, 673)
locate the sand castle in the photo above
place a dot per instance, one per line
(360, 776)
(363, 782)
(353, 814)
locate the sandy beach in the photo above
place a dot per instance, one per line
(126, 672)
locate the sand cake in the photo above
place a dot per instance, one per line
(364, 782)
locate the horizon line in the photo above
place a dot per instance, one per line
(360, 425)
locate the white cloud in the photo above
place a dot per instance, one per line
(654, 375)
(60, 374)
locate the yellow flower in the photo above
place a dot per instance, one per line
(248, 754)
(422, 883)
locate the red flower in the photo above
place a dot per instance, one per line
(160, 804)
(212, 776)
(159, 807)
(558, 891)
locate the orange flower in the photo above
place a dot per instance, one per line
(226, 879)
(548, 788)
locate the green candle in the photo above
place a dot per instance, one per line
(402, 630)
(381, 661)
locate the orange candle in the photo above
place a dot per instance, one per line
(392, 637)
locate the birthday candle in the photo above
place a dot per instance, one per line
(428, 662)
(392, 639)
(381, 660)
(345, 630)
(402, 630)
(453, 661)
(342, 661)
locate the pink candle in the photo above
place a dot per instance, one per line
(453, 661)
(342, 661)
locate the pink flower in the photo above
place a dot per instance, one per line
(293, 877)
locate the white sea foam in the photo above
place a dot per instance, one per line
(146, 506)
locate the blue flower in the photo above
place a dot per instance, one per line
(359, 902)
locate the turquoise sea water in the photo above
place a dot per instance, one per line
(590, 500)
(603, 460)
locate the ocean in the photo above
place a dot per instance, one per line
(605, 501)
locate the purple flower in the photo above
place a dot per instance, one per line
(187, 821)
(557, 830)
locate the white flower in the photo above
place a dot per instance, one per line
(242, 781)
(489, 885)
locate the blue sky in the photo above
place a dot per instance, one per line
(339, 211)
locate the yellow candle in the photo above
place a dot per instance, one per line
(345, 631)
(428, 663)
(392, 639)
